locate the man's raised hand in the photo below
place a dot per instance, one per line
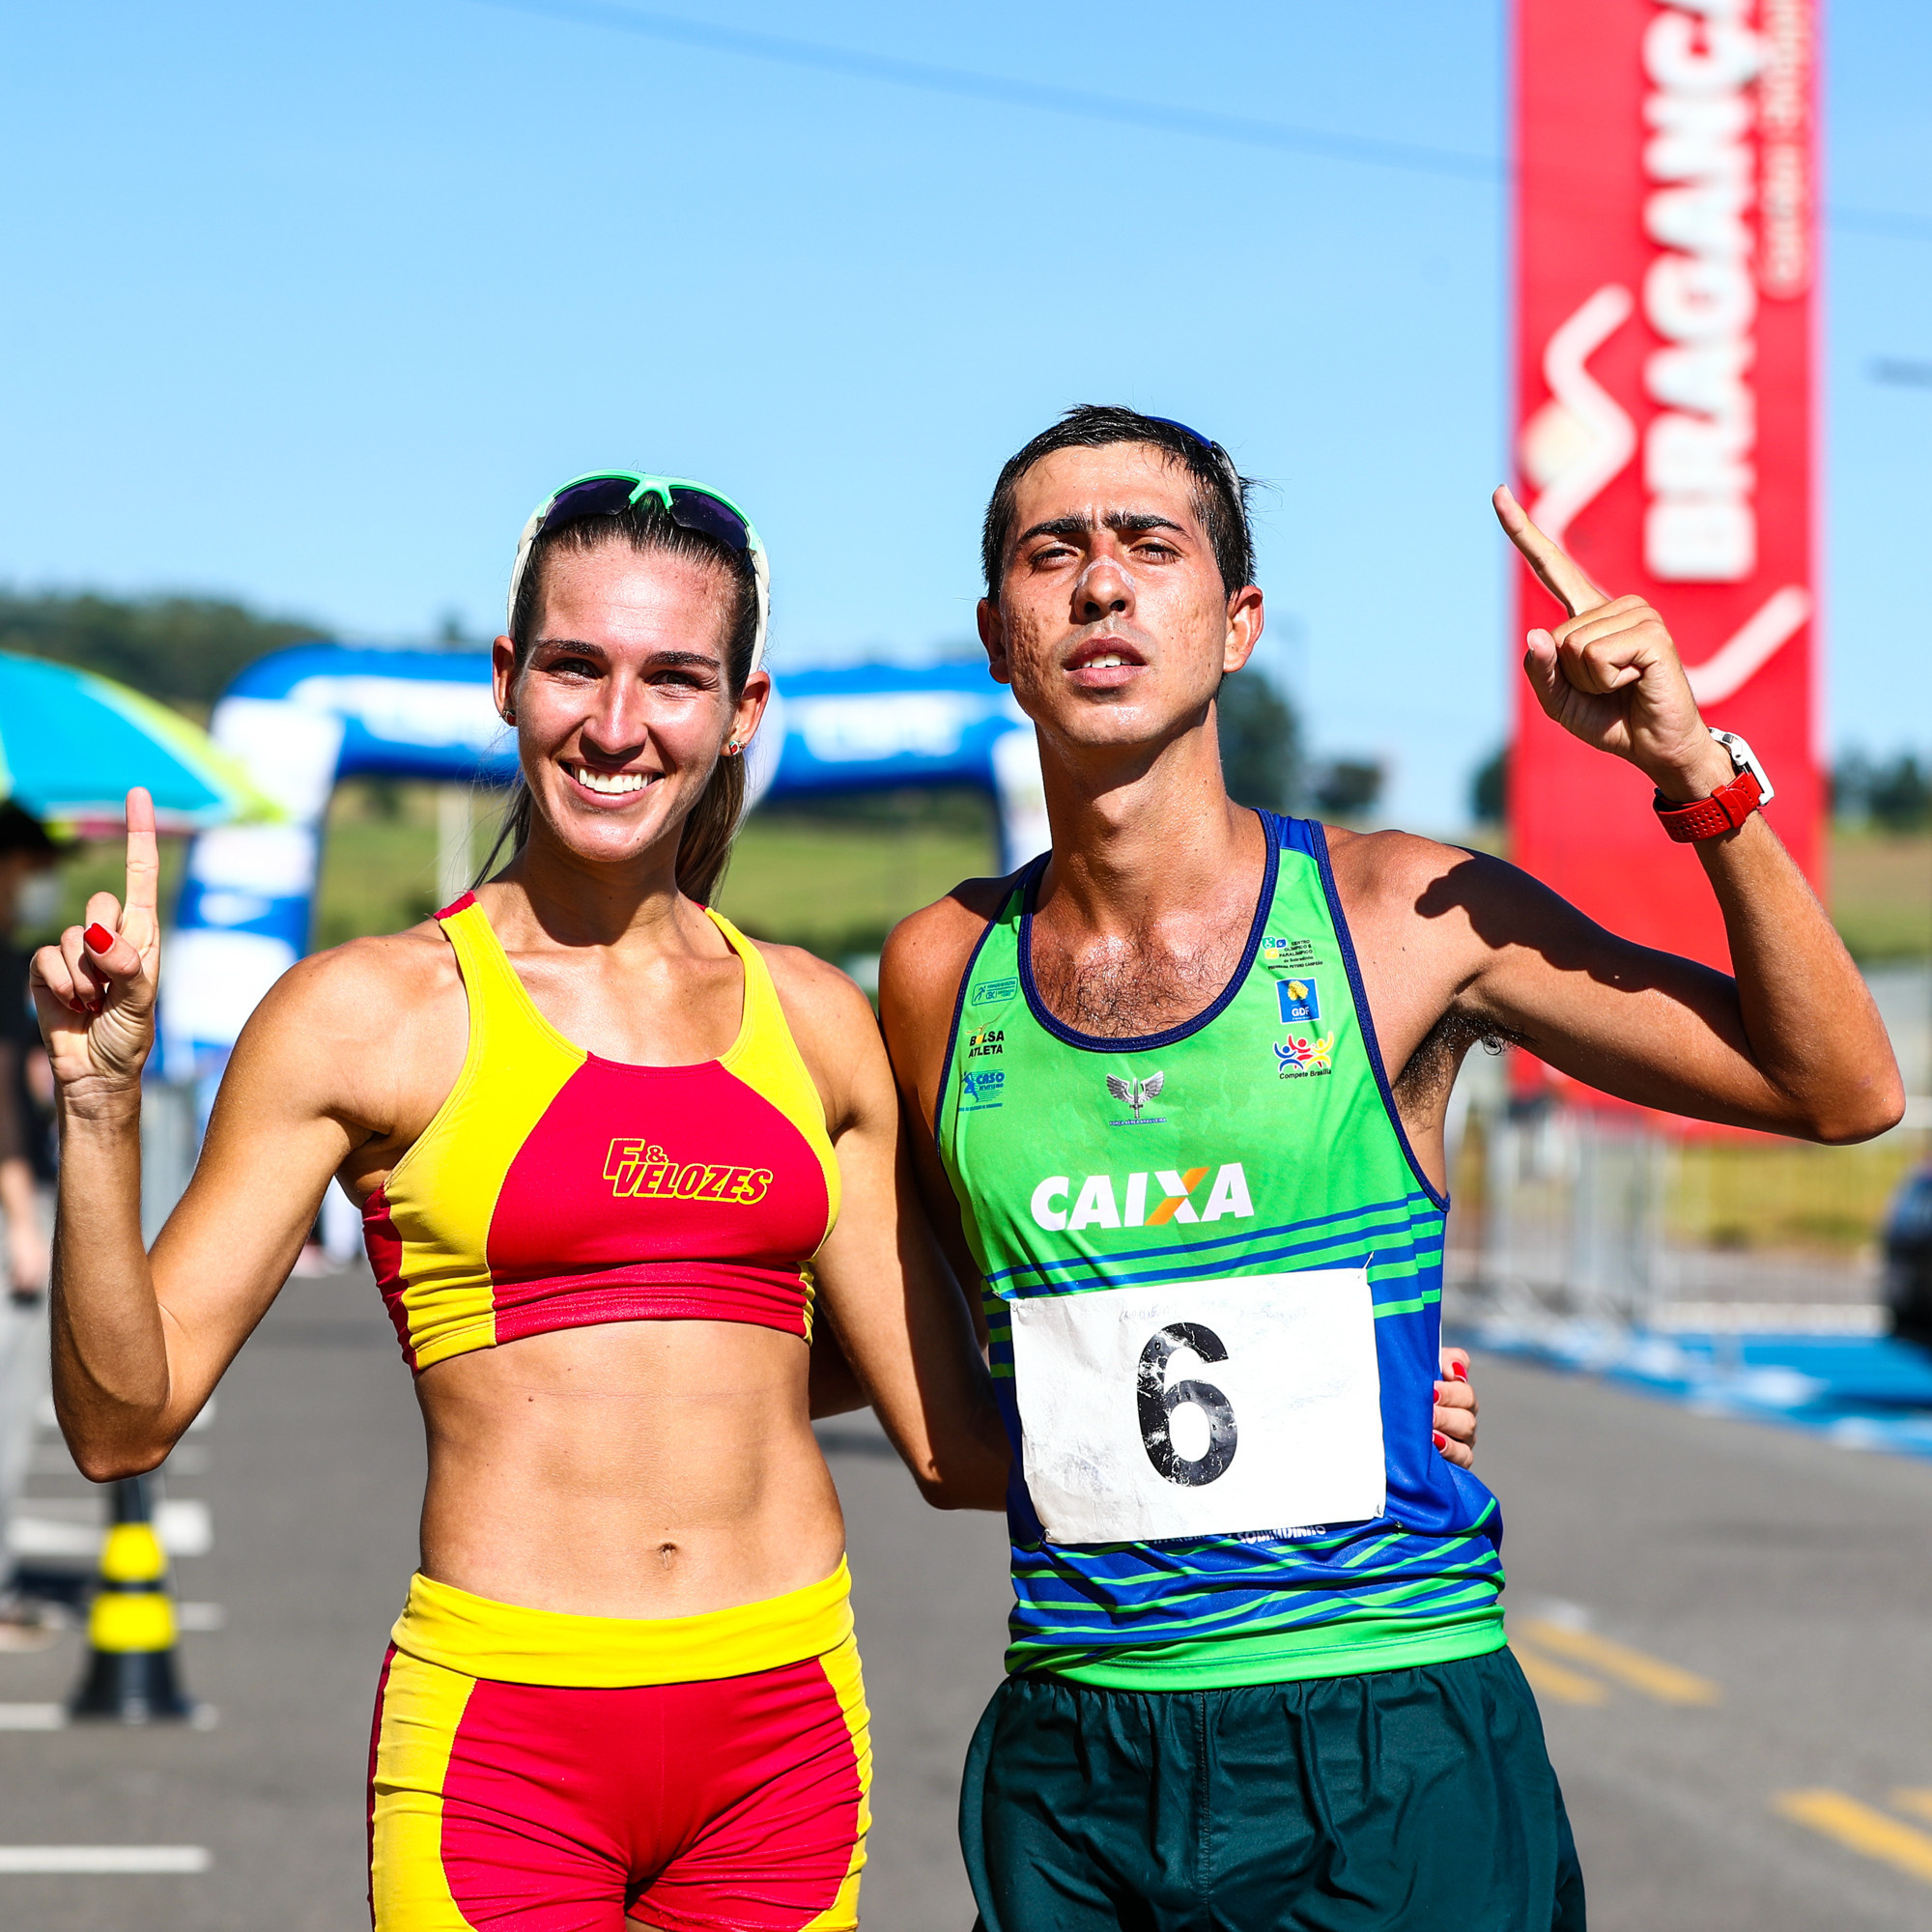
(95, 990)
(1609, 675)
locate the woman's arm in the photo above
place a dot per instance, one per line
(139, 1341)
(904, 1326)
(834, 1389)
(882, 1285)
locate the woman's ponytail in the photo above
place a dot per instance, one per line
(706, 849)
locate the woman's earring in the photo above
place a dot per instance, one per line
(733, 748)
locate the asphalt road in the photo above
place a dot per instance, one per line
(1721, 1614)
(1794, 1579)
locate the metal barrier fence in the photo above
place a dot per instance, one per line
(1568, 1219)
(170, 1142)
(1567, 1216)
(1572, 1217)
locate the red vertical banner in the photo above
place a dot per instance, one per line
(1667, 254)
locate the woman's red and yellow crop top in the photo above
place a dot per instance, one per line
(554, 1190)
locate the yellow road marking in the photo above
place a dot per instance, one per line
(1861, 1829)
(1651, 1675)
(1550, 1679)
(1917, 1800)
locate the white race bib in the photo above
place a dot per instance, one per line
(1200, 1408)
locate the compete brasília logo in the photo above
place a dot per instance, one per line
(1302, 1055)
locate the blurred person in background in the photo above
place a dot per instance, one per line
(1183, 1080)
(29, 896)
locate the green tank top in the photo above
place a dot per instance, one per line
(1212, 1273)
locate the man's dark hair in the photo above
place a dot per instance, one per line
(22, 832)
(1220, 490)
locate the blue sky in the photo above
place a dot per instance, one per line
(307, 306)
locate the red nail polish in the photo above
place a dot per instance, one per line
(1440, 1440)
(1460, 1369)
(98, 938)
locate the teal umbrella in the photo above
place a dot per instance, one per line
(72, 744)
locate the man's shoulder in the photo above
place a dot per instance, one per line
(1404, 890)
(926, 953)
(1401, 865)
(948, 929)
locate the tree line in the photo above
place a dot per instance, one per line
(184, 650)
(1892, 794)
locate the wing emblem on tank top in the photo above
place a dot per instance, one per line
(1134, 1094)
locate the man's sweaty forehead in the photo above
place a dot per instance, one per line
(1063, 493)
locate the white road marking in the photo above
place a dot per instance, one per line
(185, 1526)
(45, 1536)
(102, 1859)
(33, 1717)
(183, 1523)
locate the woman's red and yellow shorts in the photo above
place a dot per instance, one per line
(560, 1773)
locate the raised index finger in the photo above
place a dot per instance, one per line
(140, 908)
(1557, 574)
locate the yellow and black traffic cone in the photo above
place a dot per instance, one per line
(131, 1629)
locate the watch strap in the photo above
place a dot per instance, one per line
(1725, 810)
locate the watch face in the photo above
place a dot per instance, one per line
(1745, 760)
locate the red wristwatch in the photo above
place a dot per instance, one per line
(1728, 806)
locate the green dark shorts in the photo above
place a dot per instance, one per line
(1397, 1801)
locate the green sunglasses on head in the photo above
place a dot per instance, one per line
(693, 506)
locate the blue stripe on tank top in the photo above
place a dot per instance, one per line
(1229, 1557)
(1419, 1211)
(1344, 1256)
(1099, 1598)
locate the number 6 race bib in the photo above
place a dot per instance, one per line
(1200, 1408)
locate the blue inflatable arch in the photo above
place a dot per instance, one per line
(303, 719)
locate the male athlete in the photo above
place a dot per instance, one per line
(1186, 1079)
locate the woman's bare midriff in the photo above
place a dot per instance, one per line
(633, 1469)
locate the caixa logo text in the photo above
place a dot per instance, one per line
(1058, 1206)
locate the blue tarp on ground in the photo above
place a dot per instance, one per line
(1861, 1391)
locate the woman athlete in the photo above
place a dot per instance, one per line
(612, 1157)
